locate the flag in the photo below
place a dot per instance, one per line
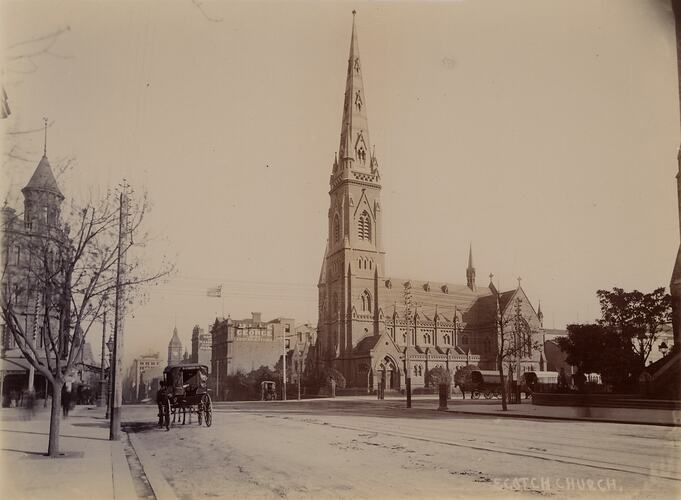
(215, 291)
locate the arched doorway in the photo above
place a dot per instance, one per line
(390, 373)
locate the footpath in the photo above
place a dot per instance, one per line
(526, 409)
(92, 467)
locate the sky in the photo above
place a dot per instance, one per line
(545, 134)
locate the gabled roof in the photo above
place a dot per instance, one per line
(43, 179)
(366, 344)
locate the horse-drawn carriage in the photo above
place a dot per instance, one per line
(187, 392)
(486, 383)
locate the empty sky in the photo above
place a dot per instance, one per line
(544, 132)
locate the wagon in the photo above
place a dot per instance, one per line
(486, 383)
(268, 390)
(187, 389)
(531, 381)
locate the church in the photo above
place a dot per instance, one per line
(373, 326)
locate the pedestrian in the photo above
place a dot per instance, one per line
(562, 380)
(163, 407)
(66, 398)
(579, 379)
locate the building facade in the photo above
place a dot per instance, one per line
(202, 346)
(28, 239)
(143, 376)
(373, 326)
(246, 345)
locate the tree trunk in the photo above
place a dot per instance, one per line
(55, 420)
(500, 367)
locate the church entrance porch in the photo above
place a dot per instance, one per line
(387, 375)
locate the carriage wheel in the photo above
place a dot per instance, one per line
(199, 411)
(475, 395)
(497, 394)
(207, 409)
(488, 395)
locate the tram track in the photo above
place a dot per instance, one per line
(647, 472)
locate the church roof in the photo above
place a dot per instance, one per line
(43, 179)
(427, 295)
(366, 344)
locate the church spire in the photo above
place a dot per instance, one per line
(470, 270)
(354, 144)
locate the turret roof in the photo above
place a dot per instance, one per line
(43, 179)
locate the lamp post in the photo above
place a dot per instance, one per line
(110, 346)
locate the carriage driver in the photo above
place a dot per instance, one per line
(162, 403)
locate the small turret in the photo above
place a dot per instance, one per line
(470, 270)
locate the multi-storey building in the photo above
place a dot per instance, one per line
(246, 345)
(375, 326)
(143, 376)
(29, 238)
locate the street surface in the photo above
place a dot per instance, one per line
(379, 449)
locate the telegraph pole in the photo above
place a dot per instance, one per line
(117, 358)
(102, 395)
(283, 389)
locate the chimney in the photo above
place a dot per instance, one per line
(256, 317)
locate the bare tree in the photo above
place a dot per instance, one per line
(514, 341)
(70, 279)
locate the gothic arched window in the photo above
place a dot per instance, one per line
(366, 301)
(364, 226)
(336, 228)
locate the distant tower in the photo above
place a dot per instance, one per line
(540, 315)
(174, 349)
(470, 271)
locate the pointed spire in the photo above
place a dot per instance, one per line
(540, 315)
(322, 272)
(45, 142)
(470, 270)
(354, 143)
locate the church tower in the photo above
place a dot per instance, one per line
(354, 257)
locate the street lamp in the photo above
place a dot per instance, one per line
(664, 348)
